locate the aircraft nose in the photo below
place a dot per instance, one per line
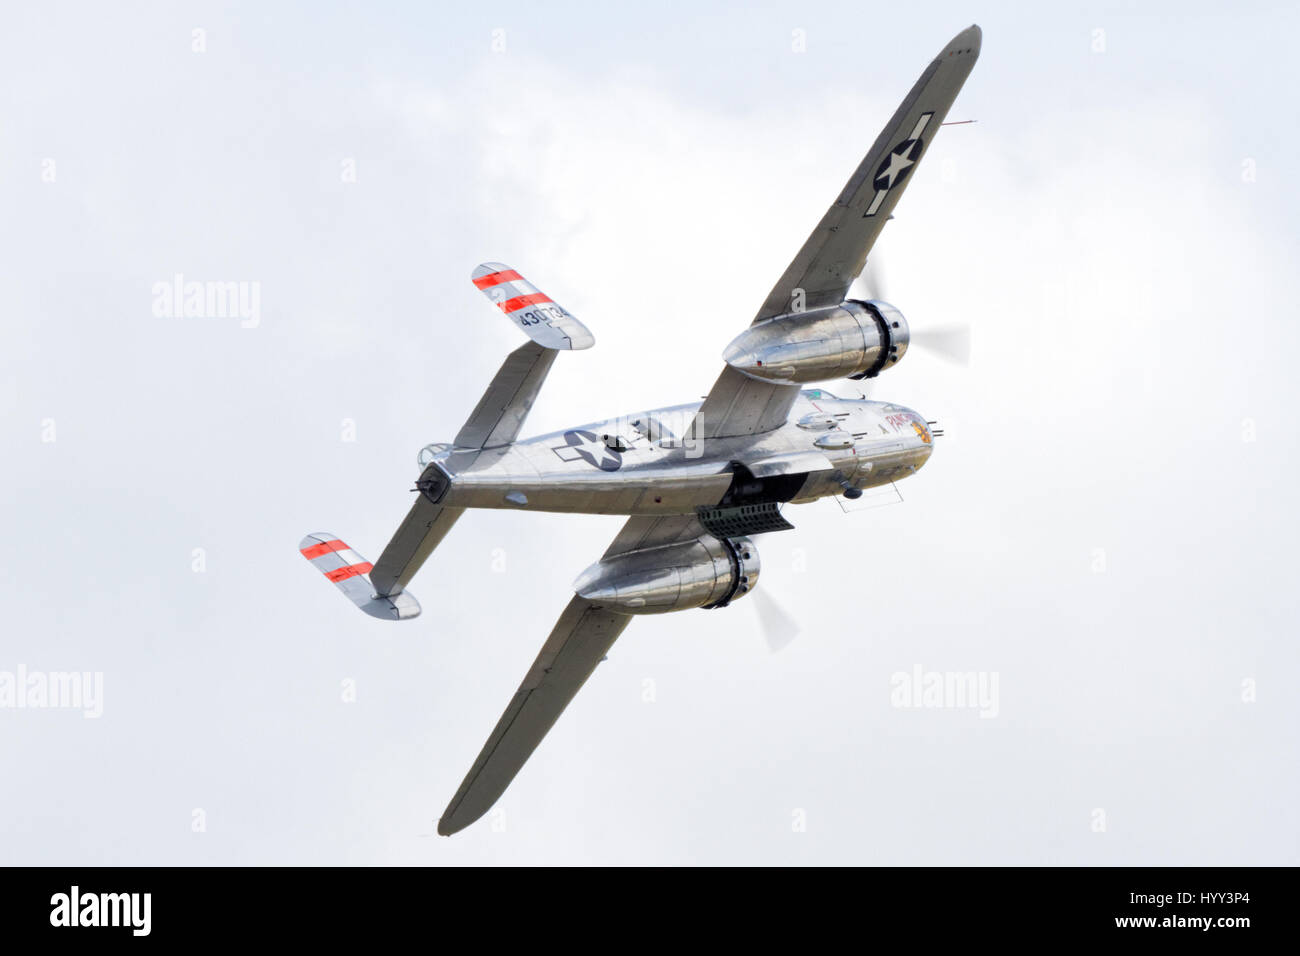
(925, 436)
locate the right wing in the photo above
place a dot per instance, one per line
(834, 255)
(740, 405)
(578, 642)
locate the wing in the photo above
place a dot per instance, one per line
(740, 405)
(835, 253)
(580, 639)
(837, 250)
(648, 531)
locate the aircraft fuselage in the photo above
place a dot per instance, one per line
(648, 464)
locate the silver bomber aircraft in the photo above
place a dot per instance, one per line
(695, 480)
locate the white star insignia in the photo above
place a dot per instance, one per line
(593, 451)
(598, 450)
(897, 163)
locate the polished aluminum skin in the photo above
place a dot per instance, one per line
(579, 470)
(704, 572)
(850, 340)
(695, 481)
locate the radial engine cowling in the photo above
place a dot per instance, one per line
(850, 340)
(706, 572)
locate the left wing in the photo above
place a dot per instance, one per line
(579, 641)
(650, 531)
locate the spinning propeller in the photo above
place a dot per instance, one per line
(948, 342)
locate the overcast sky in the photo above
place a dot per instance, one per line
(1107, 528)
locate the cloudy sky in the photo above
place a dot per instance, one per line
(1106, 530)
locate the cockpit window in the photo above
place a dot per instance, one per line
(816, 393)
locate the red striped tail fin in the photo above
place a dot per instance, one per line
(543, 320)
(348, 571)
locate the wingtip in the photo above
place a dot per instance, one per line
(968, 41)
(447, 829)
(487, 268)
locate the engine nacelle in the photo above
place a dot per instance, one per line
(850, 340)
(706, 572)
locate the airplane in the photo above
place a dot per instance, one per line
(695, 481)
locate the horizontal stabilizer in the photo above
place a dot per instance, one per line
(543, 319)
(348, 570)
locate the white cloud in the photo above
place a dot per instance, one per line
(1131, 300)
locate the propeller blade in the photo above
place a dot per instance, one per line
(873, 278)
(950, 342)
(779, 628)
